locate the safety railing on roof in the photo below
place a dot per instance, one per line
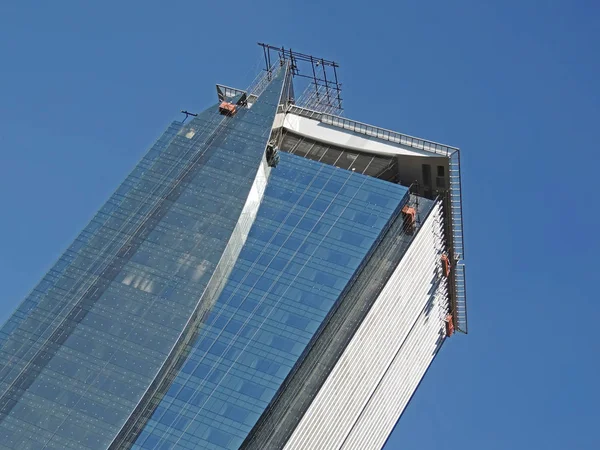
(455, 193)
(370, 130)
(261, 82)
(308, 113)
(387, 135)
(460, 310)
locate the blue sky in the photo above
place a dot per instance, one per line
(86, 88)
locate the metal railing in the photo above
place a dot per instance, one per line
(460, 286)
(261, 82)
(387, 135)
(373, 131)
(458, 249)
(308, 113)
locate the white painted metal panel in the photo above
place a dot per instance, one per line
(395, 330)
(348, 139)
(395, 389)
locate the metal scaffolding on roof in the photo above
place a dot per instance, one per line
(323, 92)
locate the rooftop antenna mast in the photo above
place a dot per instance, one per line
(324, 90)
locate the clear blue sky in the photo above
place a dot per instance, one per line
(85, 89)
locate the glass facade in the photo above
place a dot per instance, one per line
(314, 229)
(85, 348)
(180, 310)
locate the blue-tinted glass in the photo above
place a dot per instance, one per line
(302, 251)
(82, 351)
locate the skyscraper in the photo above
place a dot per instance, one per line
(270, 276)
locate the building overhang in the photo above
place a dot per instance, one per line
(412, 154)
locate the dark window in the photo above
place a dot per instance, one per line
(426, 174)
(440, 171)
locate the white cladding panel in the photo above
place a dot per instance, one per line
(367, 390)
(395, 390)
(319, 131)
